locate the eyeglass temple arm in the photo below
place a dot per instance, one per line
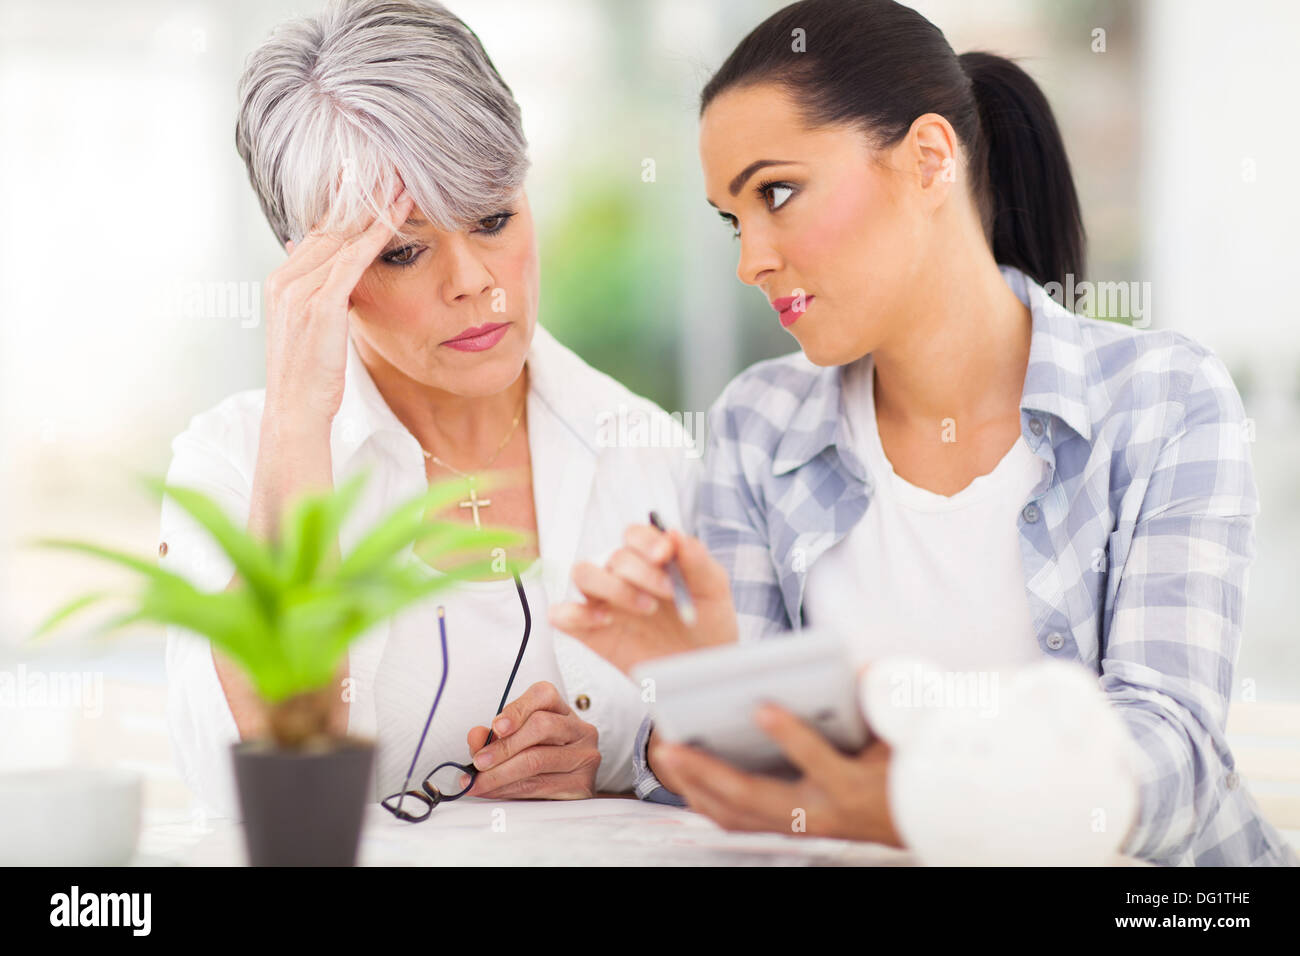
(528, 628)
(442, 635)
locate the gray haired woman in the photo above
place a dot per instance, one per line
(403, 337)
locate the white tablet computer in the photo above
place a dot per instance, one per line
(708, 698)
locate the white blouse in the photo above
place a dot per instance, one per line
(602, 457)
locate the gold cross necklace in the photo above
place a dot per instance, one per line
(474, 502)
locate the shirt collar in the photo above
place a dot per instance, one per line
(1055, 381)
(817, 422)
(362, 413)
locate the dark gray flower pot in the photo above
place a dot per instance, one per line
(303, 808)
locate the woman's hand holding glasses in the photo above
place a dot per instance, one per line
(548, 751)
(542, 749)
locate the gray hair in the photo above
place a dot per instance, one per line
(333, 108)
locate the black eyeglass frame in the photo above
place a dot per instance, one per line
(429, 794)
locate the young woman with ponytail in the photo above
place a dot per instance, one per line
(955, 469)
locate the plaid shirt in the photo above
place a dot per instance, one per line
(1136, 545)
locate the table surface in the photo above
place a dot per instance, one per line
(474, 832)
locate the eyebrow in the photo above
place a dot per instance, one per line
(743, 176)
(394, 243)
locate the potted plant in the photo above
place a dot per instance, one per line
(287, 622)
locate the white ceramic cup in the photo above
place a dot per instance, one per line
(69, 816)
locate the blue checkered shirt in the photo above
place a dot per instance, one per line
(1136, 545)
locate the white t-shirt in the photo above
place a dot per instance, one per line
(999, 766)
(485, 625)
(924, 574)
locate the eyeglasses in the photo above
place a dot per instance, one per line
(448, 774)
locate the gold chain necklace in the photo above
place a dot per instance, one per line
(474, 502)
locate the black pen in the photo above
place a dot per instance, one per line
(681, 596)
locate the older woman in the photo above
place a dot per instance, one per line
(403, 338)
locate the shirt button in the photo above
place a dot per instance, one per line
(1035, 426)
(1231, 780)
(1030, 513)
(162, 550)
(582, 702)
(1055, 640)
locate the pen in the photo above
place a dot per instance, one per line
(681, 596)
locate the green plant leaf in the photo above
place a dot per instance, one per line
(251, 557)
(312, 529)
(230, 620)
(403, 526)
(435, 540)
(66, 611)
(148, 567)
(290, 618)
(158, 580)
(373, 601)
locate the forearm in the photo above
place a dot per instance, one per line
(245, 707)
(293, 459)
(1169, 760)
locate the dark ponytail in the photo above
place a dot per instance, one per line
(879, 65)
(1027, 199)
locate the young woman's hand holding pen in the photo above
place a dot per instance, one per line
(630, 615)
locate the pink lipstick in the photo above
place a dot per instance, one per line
(786, 308)
(478, 338)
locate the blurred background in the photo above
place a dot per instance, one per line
(132, 250)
